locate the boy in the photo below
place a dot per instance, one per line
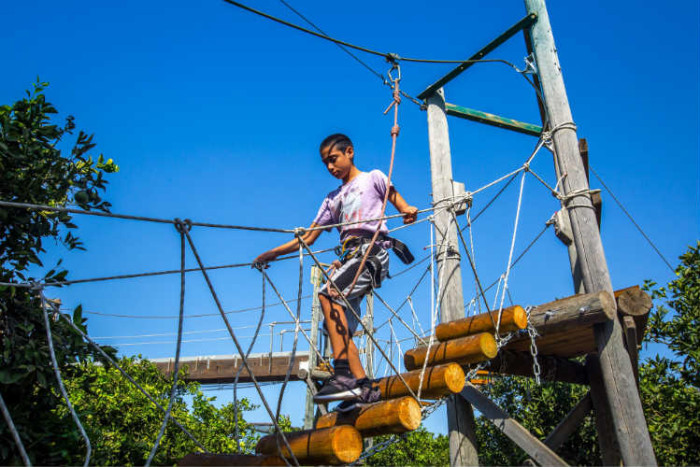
(360, 197)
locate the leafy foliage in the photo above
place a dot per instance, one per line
(416, 448)
(122, 423)
(670, 387)
(34, 169)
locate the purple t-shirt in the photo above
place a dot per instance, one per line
(358, 200)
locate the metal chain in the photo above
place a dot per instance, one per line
(532, 332)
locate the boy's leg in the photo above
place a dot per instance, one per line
(340, 336)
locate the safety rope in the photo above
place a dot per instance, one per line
(394, 135)
(15, 434)
(244, 361)
(181, 227)
(45, 306)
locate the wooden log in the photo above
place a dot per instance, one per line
(633, 301)
(464, 350)
(328, 446)
(513, 318)
(229, 459)
(385, 417)
(552, 368)
(438, 381)
(574, 311)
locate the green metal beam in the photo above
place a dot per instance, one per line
(494, 120)
(522, 24)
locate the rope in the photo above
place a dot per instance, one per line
(394, 135)
(244, 361)
(236, 435)
(296, 339)
(42, 207)
(629, 216)
(181, 227)
(44, 306)
(131, 380)
(388, 56)
(15, 435)
(510, 254)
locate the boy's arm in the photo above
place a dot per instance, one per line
(409, 212)
(292, 245)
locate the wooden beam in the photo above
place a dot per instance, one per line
(464, 350)
(607, 440)
(510, 32)
(381, 418)
(513, 318)
(511, 428)
(570, 423)
(618, 377)
(327, 446)
(218, 369)
(553, 368)
(460, 423)
(493, 120)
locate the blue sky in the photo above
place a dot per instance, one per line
(215, 114)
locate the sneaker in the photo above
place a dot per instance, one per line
(338, 388)
(369, 395)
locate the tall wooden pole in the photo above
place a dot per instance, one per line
(460, 416)
(618, 378)
(309, 415)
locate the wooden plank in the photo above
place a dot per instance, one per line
(630, 333)
(570, 423)
(218, 369)
(461, 425)
(618, 377)
(511, 428)
(492, 120)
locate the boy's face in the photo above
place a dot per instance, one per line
(339, 163)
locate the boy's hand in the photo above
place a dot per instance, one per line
(261, 261)
(410, 213)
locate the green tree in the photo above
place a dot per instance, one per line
(670, 386)
(123, 424)
(41, 162)
(416, 448)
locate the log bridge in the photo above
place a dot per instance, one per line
(564, 328)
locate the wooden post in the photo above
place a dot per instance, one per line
(618, 378)
(460, 420)
(313, 337)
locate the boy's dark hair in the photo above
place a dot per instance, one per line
(336, 141)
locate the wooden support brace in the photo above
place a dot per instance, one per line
(570, 423)
(513, 318)
(511, 428)
(438, 381)
(386, 417)
(464, 350)
(328, 446)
